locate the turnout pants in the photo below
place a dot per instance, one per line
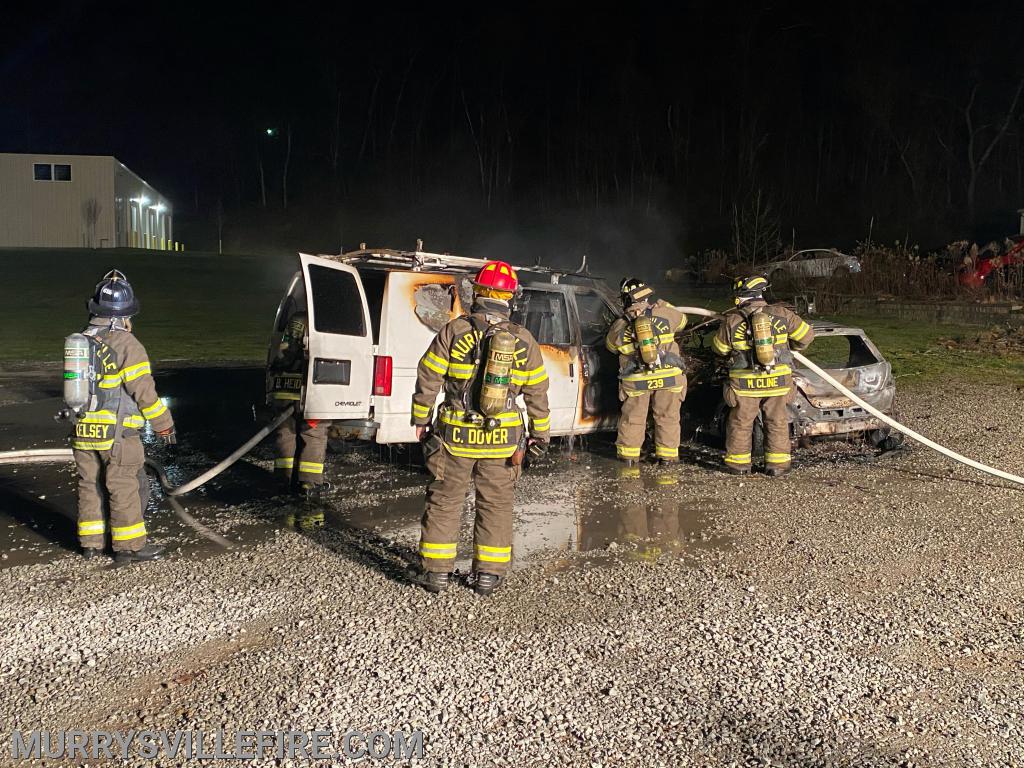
(446, 495)
(113, 483)
(739, 430)
(633, 424)
(301, 445)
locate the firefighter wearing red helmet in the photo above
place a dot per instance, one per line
(481, 362)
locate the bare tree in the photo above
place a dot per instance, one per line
(91, 210)
(976, 161)
(220, 225)
(755, 229)
(287, 160)
(263, 180)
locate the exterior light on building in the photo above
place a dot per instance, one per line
(159, 207)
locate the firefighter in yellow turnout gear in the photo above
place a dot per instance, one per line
(482, 362)
(300, 443)
(108, 451)
(758, 337)
(650, 372)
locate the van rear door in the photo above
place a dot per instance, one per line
(339, 381)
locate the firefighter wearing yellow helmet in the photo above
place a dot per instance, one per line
(481, 362)
(757, 337)
(651, 375)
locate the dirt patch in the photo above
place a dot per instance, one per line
(1001, 340)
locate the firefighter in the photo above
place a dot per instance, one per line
(758, 336)
(301, 443)
(482, 362)
(107, 448)
(650, 369)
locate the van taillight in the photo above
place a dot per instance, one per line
(382, 375)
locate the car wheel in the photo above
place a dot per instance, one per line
(885, 439)
(757, 443)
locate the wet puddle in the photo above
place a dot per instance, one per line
(582, 503)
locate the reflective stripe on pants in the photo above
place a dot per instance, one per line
(114, 479)
(740, 425)
(494, 480)
(633, 424)
(302, 445)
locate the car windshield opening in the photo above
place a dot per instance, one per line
(840, 351)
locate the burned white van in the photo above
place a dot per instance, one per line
(373, 312)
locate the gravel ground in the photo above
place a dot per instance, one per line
(862, 611)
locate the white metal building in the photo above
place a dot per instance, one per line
(80, 201)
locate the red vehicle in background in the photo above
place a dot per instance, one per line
(977, 269)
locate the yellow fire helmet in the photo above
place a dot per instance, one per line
(747, 288)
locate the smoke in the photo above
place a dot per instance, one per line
(616, 239)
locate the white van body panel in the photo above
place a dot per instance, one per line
(404, 336)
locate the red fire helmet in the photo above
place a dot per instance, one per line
(498, 276)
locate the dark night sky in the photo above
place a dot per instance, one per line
(831, 115)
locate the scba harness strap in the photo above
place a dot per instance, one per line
(99, 429)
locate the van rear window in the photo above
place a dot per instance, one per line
(337, 305)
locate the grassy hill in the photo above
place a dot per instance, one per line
(198, 306)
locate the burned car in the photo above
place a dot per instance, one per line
(816, 409)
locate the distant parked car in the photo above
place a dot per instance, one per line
(812, 264)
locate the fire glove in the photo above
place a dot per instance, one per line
(538, 448)
(168, 436)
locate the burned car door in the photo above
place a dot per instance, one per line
(599, 368)
(544, 311)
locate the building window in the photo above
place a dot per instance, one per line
(62, 173)
(42, 172)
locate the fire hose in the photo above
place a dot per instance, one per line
(42, 455)
(881, 416)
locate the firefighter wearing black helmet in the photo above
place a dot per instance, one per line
(757, 337)
(651, 375)
(301, 443)
(107, 449)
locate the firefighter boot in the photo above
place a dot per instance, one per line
(486, 583)
(432, 581)
(313, 516)
(777, 471)
(311, 520)
(737, 470)
(88, 553)
(147, 553)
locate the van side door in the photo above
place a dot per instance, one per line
(339, 380)
(544, 311)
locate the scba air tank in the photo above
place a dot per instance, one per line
(77, 372)
(764, 338)
(501, 356)
(646, 339)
